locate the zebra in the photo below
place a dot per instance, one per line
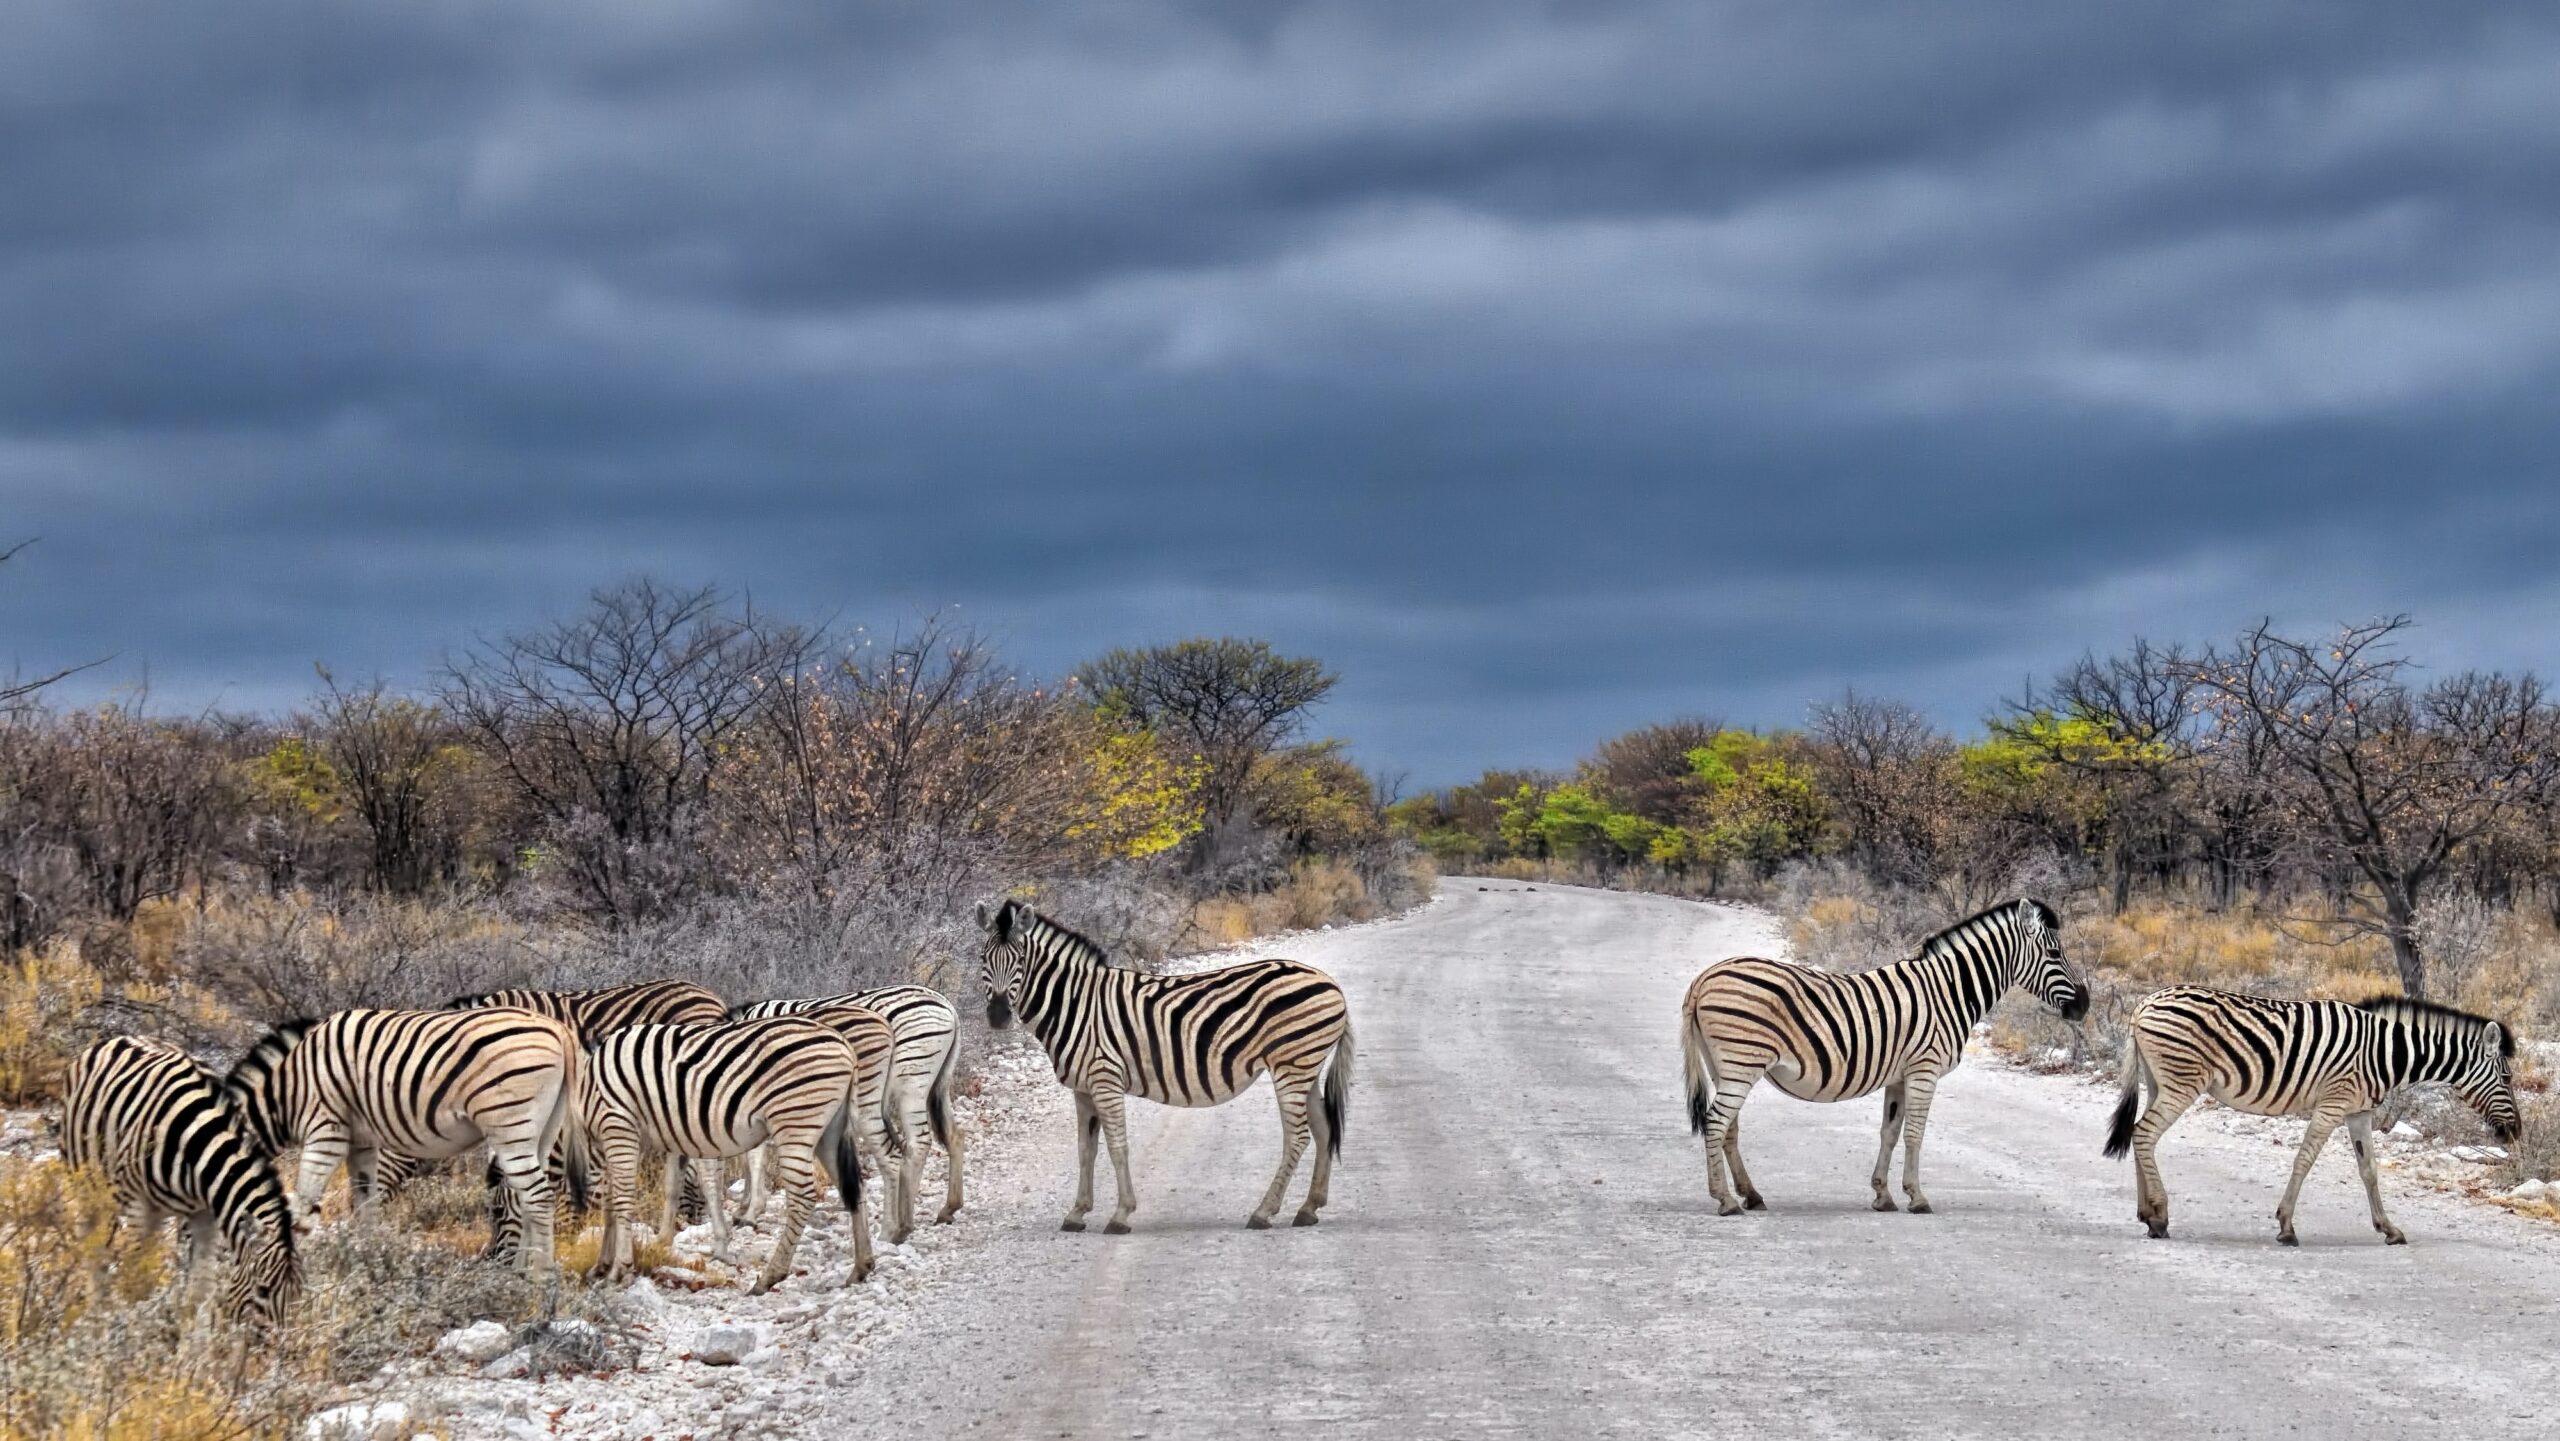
(1823, 1036)
(1193, 1040)
(595, 1014)
(170, 1143)
(425, 1084)
(927, 1027)
(711, 1091)
(2327, 1060)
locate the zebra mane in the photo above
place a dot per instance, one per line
(1944, 942)
(2404, 1009)
(1091, 949)
(270, 1049)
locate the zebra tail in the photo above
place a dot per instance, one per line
(2128, 1104)
(848, 1161)
(1337, 1090)
(574, 1164)
(937, 1098)
(1700, 1068)
(893, 1120)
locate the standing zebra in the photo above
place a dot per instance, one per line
(170, 1143)
(427, 1084)
(927, 1027)
(711, 1091)
(1192, 1040)
(2326, 1060)
(1823, 1036)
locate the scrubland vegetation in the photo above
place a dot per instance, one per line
(664, 783)
(2298, 817)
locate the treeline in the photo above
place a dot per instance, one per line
(2325, 775)
(667, 752)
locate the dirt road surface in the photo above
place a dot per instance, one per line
(1520, 1244)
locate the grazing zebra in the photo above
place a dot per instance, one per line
(1192, 1040)
(428, 1084)
(2326, 1060)
(170, 1143)
(1823, 1036)
(927, 1028)
(712, 1091)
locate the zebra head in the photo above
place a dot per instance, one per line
(264, 1280)
(254, 1089)
(1000, 964)
(2040, 965)
(2473, 1054)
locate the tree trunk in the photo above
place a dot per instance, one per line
(2401, 914)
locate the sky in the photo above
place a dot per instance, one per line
(1547, 369)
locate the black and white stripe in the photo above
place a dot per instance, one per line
(1824, 1036)
(429, 1084)
(1192, 1040)
(165, 1134)
(2325, 1060)
(600, 1012)
(709, 1092)
(927, 1028)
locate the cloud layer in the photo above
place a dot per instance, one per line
(1548, 368)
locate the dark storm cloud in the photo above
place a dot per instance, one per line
(1549, 368)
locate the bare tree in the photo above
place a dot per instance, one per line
(1647, 771)
(17, 693)
(128, 804)
(608, 725)
(401, 766)
(2140, 705)
(2389, 782)
(1229, 701)
(1884, 765)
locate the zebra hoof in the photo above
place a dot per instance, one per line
(1257, 1223)
(2159, 1229)
(1728, 1208)
(1072, 1223)
(1303, 1218)
(1752, 1202)
(1918, 1208)
(1116, 1228)
(2394, 1237)
(943, 1217)
(2287, 1238)
(1884, 1203)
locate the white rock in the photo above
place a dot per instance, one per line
(2531, 1191)
(728, 1343)
(479, 1343)
(513, 1364)
(2403, 1131)
(364, 1421)
(2482, 1154)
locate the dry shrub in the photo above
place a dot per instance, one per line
(43, 993)
(1316, 893)
(97, 1341)
(273, 957)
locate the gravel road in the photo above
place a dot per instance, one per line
(1520, 1244)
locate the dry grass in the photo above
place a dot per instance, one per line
(1317, 893)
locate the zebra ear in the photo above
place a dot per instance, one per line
(982, 915)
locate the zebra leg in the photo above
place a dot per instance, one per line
(670, 1210)
(1111, 1106)
(521, 1164)
(951, 1144)
(796, 1165)
(364, 1177)
(2360, 1131)
(1293, 1096)
(203, 1235)
(1733, 1163)
(1884, 1146)
(2169, 1100)
(706, 1178)
(324, 1150)
(2314, 1137)
(1088, 1131)
(1917, 1093)
(616, 1147)
(1721, 1119)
